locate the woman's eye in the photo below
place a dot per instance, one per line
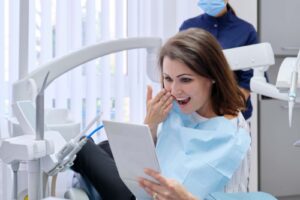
(186, 80)
(167, 79)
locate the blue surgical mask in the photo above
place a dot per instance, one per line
(212, 7)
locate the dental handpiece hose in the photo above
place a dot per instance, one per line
(293, 88)
(292, 95)
(84, 140)
(82, 133)
(74, 146)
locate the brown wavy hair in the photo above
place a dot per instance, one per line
(201, 52)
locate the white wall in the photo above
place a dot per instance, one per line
(246, 9)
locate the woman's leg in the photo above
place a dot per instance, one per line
(105, 146)
(95, 164)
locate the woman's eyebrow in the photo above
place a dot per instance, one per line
(178, 76)
(184, 75)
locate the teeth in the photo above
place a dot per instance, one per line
(182, 99)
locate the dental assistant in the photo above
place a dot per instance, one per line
(195, 123)
(221, 21)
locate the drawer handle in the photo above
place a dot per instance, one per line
(290, 48)
(287, 107)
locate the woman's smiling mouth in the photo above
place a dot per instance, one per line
(183, 101)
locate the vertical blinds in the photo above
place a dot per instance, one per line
(114, 85)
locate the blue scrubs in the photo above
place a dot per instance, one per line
(231, 32)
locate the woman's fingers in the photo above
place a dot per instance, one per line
(158, 107)
(168, 101)
(152, 193)
(148, 191)
(159, 96)
(149, 93)
(151, 187)
(157, 176)
(165, 189)
(165, 98)
(164, 102)
(164, 185)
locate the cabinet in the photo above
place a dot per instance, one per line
(279, 24)
(279, 160)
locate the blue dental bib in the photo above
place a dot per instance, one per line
(201, 155)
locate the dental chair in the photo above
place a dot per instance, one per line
(261, 56)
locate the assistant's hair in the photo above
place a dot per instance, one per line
(229, 7)
(201, 52)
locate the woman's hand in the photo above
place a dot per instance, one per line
(164, 189)
(157, 108)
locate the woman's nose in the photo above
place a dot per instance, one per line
(175, 89)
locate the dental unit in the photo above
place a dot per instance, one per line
(47, 151)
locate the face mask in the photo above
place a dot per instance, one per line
(212, 7)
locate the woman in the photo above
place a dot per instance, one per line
(207, 102)
(200, 142)
(221, 21)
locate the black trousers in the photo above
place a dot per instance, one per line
(96, 163)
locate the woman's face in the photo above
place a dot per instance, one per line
(190, 90)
